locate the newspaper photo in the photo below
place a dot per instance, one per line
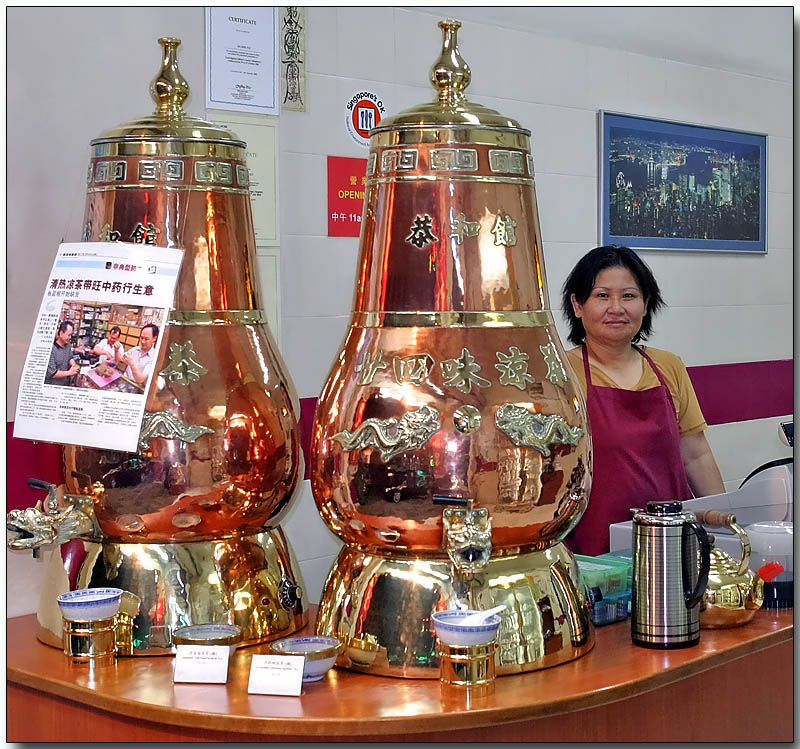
(96, 341)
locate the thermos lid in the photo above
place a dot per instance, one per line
(169, 122)
(450, 76)
(664, 508)
(664, 514)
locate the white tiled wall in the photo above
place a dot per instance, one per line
(314, 545)
(723, 308)
(742, 447)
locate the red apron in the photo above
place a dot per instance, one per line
(637, 457)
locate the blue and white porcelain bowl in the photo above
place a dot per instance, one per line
(451, 631)
(89, 604)
(208, 634)
(320, 653)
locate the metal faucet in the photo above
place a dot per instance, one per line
(467, 539)
(40, 525)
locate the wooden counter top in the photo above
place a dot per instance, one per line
(348, 705)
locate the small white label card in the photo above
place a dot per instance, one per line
(276, 674)
(202, 663)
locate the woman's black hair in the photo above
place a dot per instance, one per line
(580, 282)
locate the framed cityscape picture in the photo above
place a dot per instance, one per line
(672, 186)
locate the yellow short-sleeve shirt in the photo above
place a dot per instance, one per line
(673, 370)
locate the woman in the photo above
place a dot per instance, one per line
(647, 428)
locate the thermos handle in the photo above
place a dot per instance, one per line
(693, 598)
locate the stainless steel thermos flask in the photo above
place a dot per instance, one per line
(671, 558)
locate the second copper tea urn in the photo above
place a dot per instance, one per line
(451, 451)
(190, 522)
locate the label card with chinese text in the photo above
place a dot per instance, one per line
(347, 178)
(276, 674)
(95, 345)
(201, 663)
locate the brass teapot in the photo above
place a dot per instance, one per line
(734, 592)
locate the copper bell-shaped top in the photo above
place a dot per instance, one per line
(219, 453)
(452, 386)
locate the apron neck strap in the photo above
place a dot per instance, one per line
(655, 369)
(586, 365)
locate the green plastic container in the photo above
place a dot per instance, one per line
(623, 555)
(610, 575)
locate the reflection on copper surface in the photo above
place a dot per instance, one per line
(522, 489)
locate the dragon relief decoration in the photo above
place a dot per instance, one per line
(165, 425)
(536, 430)
(393, 436)
(35, 527)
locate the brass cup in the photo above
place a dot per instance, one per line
(123, 634)
(90, 642)
(466, 665)
(123, 627)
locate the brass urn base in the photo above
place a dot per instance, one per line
(380, 606)
(253, 582)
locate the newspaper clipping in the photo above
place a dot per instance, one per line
(94, 349)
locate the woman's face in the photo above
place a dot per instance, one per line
(615, 308)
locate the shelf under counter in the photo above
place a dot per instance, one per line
(736, 685)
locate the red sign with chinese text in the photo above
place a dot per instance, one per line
(346, 185)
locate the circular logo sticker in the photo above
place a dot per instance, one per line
(364, 112)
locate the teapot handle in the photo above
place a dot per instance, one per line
(693, 598)
(717, 519)
(746, 549)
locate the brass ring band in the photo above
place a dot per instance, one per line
(149, 147)
(496, 319)
(449, 177)
(217, 317)
(448, 134)
(177, 188)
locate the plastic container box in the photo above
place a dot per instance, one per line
(610, 575)
(622, 555)
(611, 609)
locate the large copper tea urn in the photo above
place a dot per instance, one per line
(451, 451)
(189, 523)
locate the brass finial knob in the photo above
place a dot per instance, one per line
(168, 88)
(450, 74)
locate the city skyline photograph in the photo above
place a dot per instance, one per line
(672, 186)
